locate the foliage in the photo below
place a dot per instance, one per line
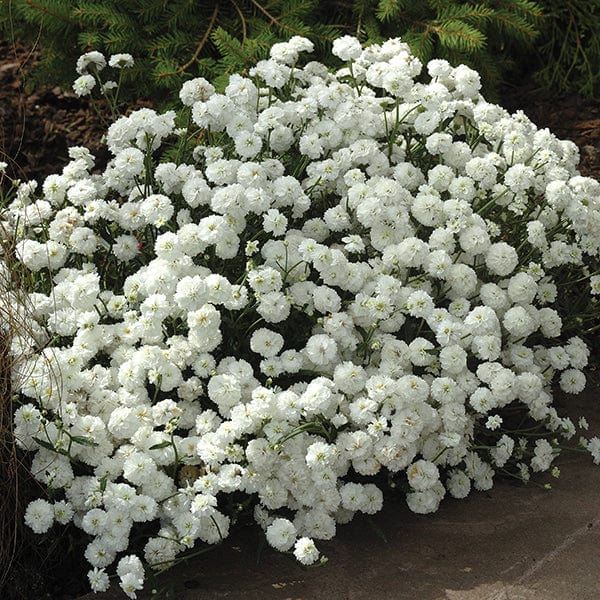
(487, 35)
(29, 564)
(171, 40)
(176, 40)
(284, 296)
(569, 47)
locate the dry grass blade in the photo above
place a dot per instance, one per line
(14, 474)
(9, 464)
(9, 522)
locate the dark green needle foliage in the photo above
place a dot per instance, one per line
(569, 47)
(174, 40)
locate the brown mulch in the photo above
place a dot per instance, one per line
(38, 126)
(570, 118)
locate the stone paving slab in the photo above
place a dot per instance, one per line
(513, 542)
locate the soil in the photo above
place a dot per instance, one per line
(569, 117)
(38, 126)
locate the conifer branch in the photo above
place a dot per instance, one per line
(522, 29)
(524, 6)
(242, 21)
(278, 23)
(203, 41)
(264, 11)
(489, 35)
(45, 11)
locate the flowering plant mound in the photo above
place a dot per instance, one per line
(288, 293)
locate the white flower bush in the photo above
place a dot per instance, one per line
(292, 293)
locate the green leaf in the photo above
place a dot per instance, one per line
(160, 446)
(227, 45)
(49, 446)
(531, 10)
(84, 441)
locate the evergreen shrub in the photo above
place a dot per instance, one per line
(569, 47)
(176, 40)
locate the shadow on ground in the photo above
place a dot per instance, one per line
(514, 542)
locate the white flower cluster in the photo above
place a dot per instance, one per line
(89, 66)
(339, 276)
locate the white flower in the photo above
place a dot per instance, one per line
(501, 259)
(266, 342)
(39, 516)
(121, 60)
(281, 534)
(130, 583)
(593, 446)
(458, 484)
(493, 422)
(550, 322)
(572, 381)
(578, 353)
(453, 359)
(519, 322)
(94, 521)
(99, 581)
(419, 304)
(494, 297)
(90, 60)
(426, 501)
(544, 454)
(595, 284)
(416, 294)
(420, 352)
(84, 85)
(320, 349)
(502, 451)
(274, 222)
(157, 209)
(422, 475)
(522, 288)
(273, 307)
(318, 397)
(63, 512)
(138, 468)
(519, 177)
(346, 48)
(203, 504)
(284, 52)
(466, 80)
(487, 347)
(273, 73)
(305, 551)
(374, 499)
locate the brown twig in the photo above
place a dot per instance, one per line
(44, 10)
(242, 20)
(203, 41)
